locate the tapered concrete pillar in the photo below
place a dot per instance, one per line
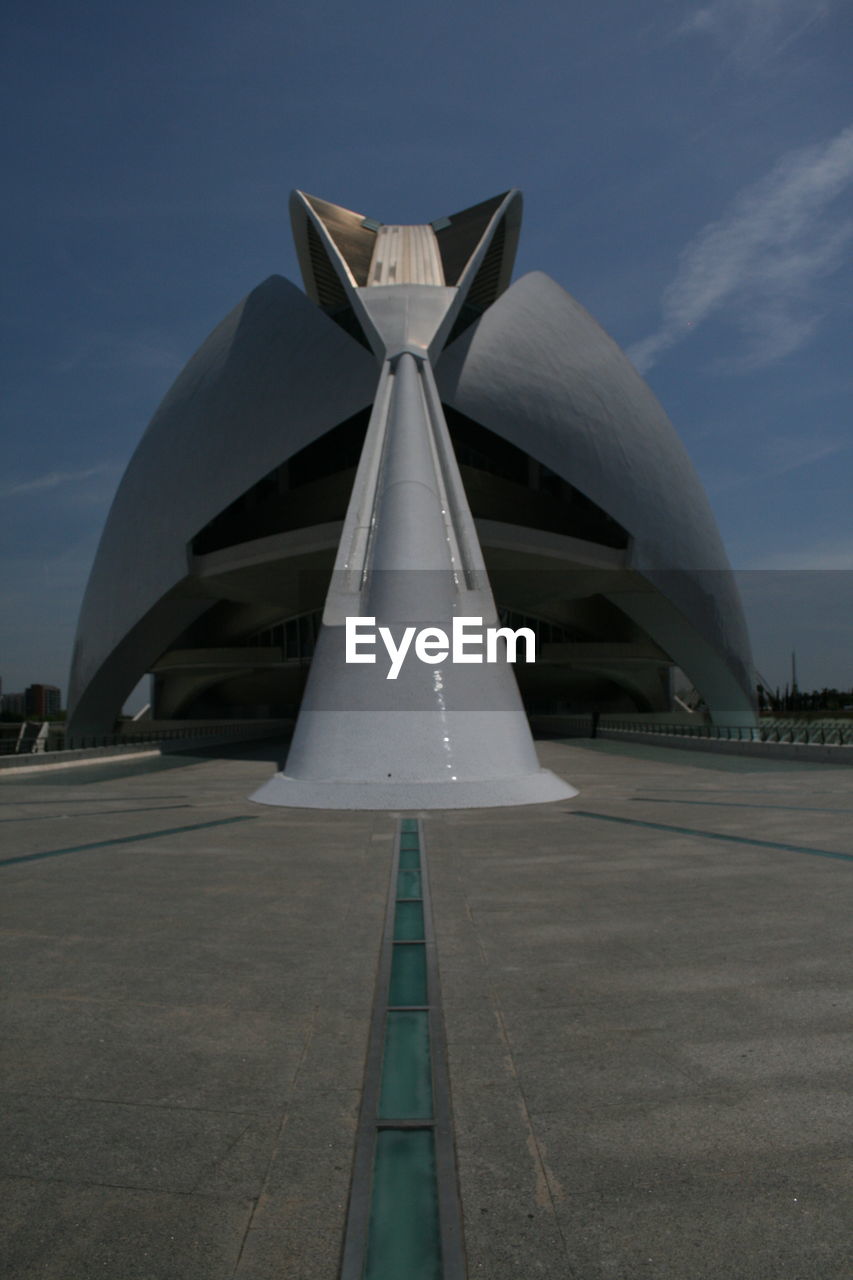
(441, 734)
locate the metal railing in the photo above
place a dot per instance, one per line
(828, 733)
(824, 732)
(82, 742)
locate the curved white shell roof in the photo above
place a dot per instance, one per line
(538, 370)
(277, 373)
(273, 376)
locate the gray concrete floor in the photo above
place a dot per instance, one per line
(649, 1027)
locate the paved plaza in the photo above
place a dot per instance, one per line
(647, 993)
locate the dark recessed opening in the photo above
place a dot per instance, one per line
(312, 487)
(502, 482)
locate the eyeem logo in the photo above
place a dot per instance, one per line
(468, 640)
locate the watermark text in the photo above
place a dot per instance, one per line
(469, 641)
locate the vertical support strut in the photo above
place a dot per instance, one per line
(440, 734)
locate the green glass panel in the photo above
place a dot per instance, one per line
(410, 859)
(408, 974)
(408, 825)
(410, 841)
(409, 922)
(406, 1076)
(404, 1241)
(408, 884)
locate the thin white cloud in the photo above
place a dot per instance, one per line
(760, 262)
(835, 555)
(56, 480)
(751, 33)
(792, 455)
(109, 351)
(783, 456)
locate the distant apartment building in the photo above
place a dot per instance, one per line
(42, 701)
(13, 704)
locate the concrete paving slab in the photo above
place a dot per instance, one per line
(79, 1140)
(514, 1235)
(59, 1231)
(606, 1074)
(179, 1012)
(312, 1160)
(289, 1238)
(670, 1014)
(153, 1054)
(708, 1229)
(649, 1028)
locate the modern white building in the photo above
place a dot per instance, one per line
(412, 439)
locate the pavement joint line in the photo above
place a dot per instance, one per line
(404, 1209)
(106, 844)
(15, 771)
(285, 1112)
(253, 1115)
(220, 1159)
(713, 835)
(14, 804)
(94, 813)
(541, 1167)
(354, 1248)
(739, 804)
(121, 1186)
(748, 791)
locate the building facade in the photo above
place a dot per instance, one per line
(14, 704)
(42, 701)
(411, 438)
(37, 702)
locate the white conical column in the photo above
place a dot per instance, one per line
(442, 734)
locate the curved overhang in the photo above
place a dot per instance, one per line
(526, 363)
(272, 377)
(539, 371)
(348, 241)
(355, 268)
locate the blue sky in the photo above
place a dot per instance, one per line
(687, 172)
